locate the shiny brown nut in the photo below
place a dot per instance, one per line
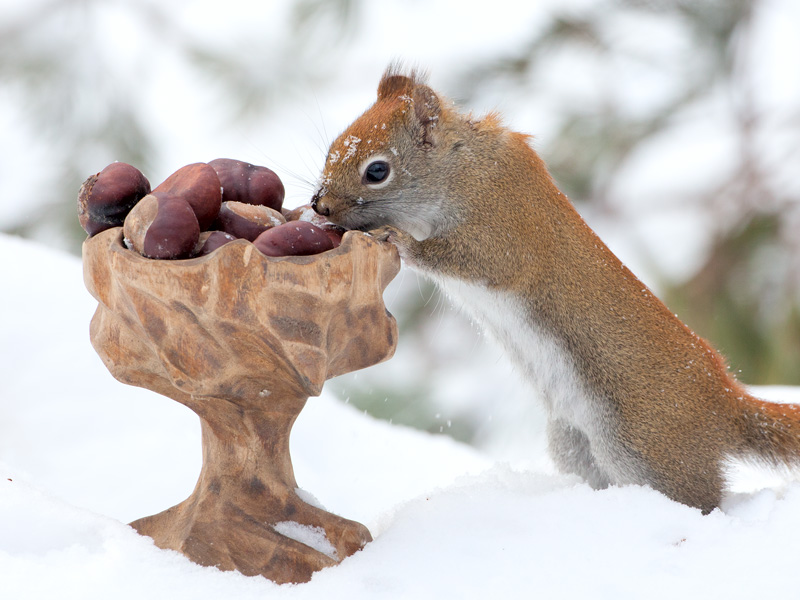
(162, 226)
(334, 235)
(106, 198)
(247, 221)
(292, 214)
(295, 238)
(210, 241)
(251, 184)
(306, 213)
(199, 185)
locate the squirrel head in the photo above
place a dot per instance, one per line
(390, 166)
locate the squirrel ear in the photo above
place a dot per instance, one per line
(393, 85)
(396, 81)
(427, 108)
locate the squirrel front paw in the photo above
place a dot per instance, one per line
(407, 246)
(390, 234)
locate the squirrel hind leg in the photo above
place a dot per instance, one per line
(571, 452)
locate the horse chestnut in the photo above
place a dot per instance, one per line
(247, 221)
(334, 235)
(210, 241)
(295, 238)
(199, 185)
(162, 226)
(106, 198)
(251, 184)
(307, 214)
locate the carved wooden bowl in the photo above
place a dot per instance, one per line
(243, 340)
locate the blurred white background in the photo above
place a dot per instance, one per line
(674, 127)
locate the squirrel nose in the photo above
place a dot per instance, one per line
(320, 206)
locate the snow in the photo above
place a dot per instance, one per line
(309, 535)
(351, 143)
(81, 455)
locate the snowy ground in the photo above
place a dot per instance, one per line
(81, 455)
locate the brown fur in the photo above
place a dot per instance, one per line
(489, 213)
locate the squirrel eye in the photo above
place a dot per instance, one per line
(376, 172)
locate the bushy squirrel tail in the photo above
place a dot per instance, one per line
(771, 432)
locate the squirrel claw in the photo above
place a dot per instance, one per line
(387, 233)
(405, 243)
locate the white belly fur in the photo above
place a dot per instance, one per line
(544, 362)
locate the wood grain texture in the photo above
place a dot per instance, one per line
(243, 340)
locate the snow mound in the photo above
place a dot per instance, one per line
(81, 455)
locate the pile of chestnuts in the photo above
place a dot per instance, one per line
(199, 208)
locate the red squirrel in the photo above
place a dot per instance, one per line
(633, 396)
